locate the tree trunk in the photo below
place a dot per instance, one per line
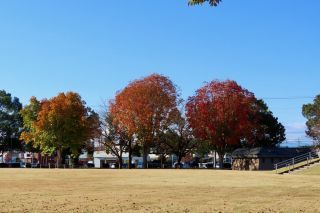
(221, 157)
(130, 157)
(59, 158)
(120, 162)
(161, 161)
(179, 159)
(145, 157)
(44, 160)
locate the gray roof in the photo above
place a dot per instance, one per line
(269, 152)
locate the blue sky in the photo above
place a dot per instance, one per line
(97, 47)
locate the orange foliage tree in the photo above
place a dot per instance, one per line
(223, 113)
(63, 122)
(145, 108)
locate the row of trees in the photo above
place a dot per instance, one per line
(221, 116)
(59, 125)
(147, 116)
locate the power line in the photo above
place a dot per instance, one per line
(289, 98)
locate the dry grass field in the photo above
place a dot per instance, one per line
(27, 190)
(312, 171)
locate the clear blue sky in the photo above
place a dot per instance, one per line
(97, 47)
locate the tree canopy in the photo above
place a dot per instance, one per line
(116, 138)
(30, 115)
(178, 139)
(270, 132)
(224, 114)
(211, 2)
(10, 122)
(63, 122)
(145, 108)
(311, 111)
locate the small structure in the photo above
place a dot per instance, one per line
(102, 159)
(263, 158)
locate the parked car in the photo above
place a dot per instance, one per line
(202, 165)
(139, 165)
(125, 165)
(181, 165)
(209, 165)
(193, 164)
(32, 165)
(4, 165)
(14, 165)
(90, 164)
(227, 165)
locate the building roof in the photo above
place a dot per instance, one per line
(269, 152)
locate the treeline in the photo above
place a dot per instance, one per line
(147, 116)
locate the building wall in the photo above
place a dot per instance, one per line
(268, 163)
(250, 164)
(253, 164)
(98, 162)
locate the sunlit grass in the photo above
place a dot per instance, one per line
(312, 171)
(156, 191)
(304, 163)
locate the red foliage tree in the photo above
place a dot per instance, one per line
(222, 113)
(145, 108)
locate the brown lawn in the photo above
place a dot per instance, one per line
(31, 190)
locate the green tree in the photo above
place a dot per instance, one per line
(10, 122)
(29, 115)
(116, 139)
(270, 132)
(178, 139)
(312, 112)
(203, 148)
(211, 2)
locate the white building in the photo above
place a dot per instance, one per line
(101, 157)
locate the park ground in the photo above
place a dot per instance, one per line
(32, 190)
